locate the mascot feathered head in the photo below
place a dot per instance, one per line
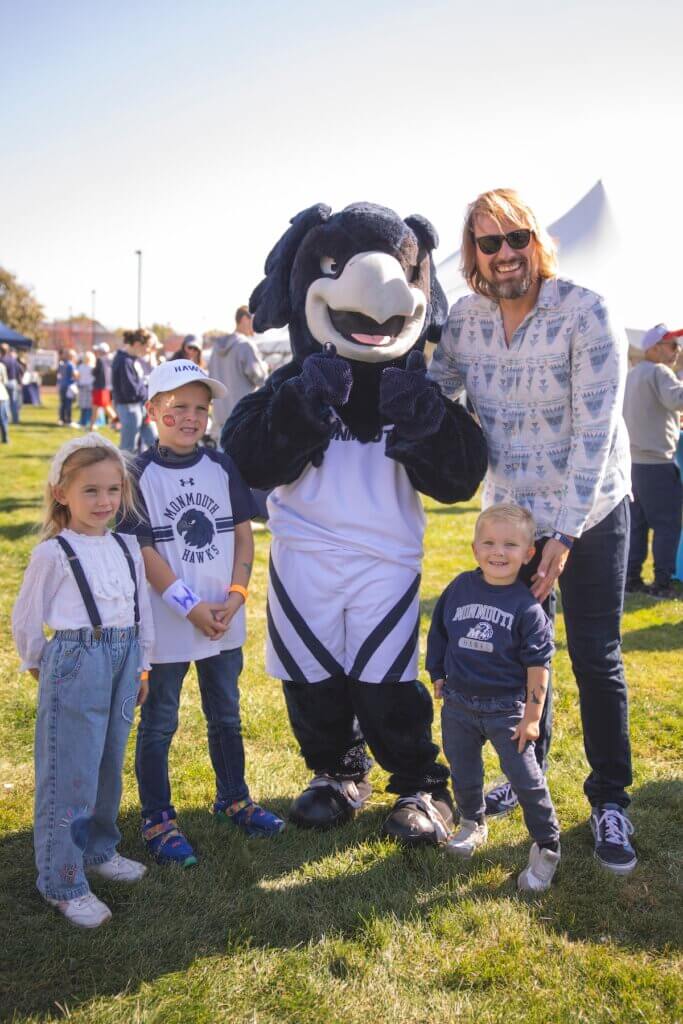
(362, 279)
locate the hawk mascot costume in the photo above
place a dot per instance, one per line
(344, 437)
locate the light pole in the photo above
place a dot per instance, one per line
(93, 294)
(138, 253)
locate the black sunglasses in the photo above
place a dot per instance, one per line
(490, 244)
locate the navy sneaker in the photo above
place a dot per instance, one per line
(501, 800)
(253, 820)
(611, 831)
(165, 842)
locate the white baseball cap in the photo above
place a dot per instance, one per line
(176, 372)
(656, 334)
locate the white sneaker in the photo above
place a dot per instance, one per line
(84, 911)
(538, 874)
(469, 837)
(118, 869)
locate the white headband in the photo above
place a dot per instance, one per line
(87, 441)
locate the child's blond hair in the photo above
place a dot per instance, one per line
(508, 513)
(55, 515)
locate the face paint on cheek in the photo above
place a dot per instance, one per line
(168, 420)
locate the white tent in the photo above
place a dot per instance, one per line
(588, 244)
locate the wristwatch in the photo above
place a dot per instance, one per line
(564, 539)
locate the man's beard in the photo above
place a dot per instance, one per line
(516, 287)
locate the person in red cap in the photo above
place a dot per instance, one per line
(652, 407)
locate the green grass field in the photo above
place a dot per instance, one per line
(342, 928)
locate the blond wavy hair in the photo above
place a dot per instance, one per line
(56, 517)
(515, 515)
(504, 206)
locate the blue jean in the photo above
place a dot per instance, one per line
(467, 722)
(4, 420)
(134, 428)
(592, 589)
(658, 498)
(218, 678)
(14, 392)
(65, 404)
(86, 704)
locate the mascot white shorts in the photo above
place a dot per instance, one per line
(336, 613)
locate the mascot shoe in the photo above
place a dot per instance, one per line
(328, 801)
(421, 819)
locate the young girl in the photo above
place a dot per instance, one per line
(87, 584)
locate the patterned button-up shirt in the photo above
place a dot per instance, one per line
(549, 403)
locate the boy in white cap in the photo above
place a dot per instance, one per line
(195, 536)
(652, 407)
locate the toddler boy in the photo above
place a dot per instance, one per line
(198, 550)
(488, 652)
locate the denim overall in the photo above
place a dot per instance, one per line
(89, 681)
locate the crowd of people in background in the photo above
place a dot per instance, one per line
(110, 389)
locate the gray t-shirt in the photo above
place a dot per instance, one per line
(652, 403)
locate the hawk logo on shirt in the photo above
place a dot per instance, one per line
(195, 528)
(482, 631)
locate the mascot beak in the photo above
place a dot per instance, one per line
(370, 312)
(374, 283)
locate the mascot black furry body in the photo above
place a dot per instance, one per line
(344, 436)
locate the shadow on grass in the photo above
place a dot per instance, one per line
(12, 504)
(665, 636)
(448, 510)
(293, 890)
(30, 455)
(15, 531)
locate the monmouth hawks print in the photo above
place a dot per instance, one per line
(344, 437)
(194, 517)
(189, 514)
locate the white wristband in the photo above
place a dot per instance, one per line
(180, 598)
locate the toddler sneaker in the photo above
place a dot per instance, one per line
(118, 869)
(253, 820)
(165, 842)
(83, 911)
(500, 801)
(469, 837)
(538, 874)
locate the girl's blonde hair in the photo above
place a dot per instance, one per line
(504, 206)
(508, 513)
(56, 516)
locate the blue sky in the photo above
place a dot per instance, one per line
(195, 131)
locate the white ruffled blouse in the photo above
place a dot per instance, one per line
(50, 596)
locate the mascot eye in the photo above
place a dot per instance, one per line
(329, 265)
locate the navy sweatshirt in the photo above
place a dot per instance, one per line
(483, 638)
(127, 381)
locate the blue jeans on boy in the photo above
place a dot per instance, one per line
(86, 704)
(658, 497)
(218, 678)
(467, 722)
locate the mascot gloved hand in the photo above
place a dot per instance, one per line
(410, 401)
(344, 437)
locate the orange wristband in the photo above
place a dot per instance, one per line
(235, 588)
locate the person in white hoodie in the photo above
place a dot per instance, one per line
(236, 363)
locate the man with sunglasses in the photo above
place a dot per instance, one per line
(652, 408)
(545, 372)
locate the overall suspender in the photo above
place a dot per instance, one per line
(84, 586)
